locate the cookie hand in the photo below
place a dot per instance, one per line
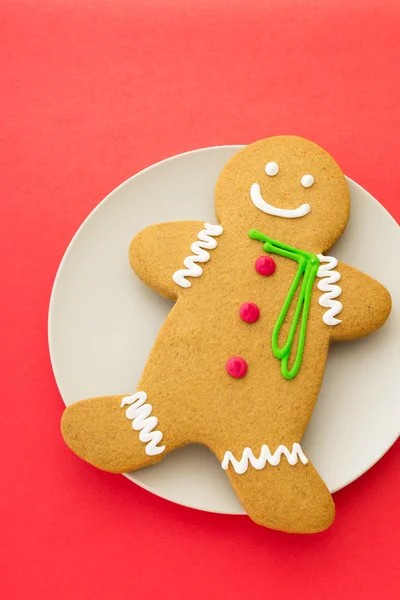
(158, 251)
(366, 305)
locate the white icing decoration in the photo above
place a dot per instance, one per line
(307, 180)
(272, 169)
(329, 278)
(200, 250)
(259, 202)
(241, 466)
(139, 412)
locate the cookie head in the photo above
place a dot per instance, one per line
(287, 187)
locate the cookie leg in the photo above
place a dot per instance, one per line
(117, 433)
(291, 498)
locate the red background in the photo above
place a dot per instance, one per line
(92, 92)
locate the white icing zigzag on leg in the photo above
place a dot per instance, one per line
(201, 255)
(241, 466)
(139, 412)
(327, 300)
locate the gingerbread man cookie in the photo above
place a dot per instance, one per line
(239, 362)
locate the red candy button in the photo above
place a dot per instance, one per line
(265, 265)
(249, 312)
(236, 367)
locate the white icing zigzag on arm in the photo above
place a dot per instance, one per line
(201, 255)
(139, 411)
(327, 300)
(241, 466)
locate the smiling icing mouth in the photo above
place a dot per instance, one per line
(259, 202)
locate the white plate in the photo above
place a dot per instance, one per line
(103, 322)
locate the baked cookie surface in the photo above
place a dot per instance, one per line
(239, 361)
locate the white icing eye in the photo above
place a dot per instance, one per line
(307, 181)
(272, 169)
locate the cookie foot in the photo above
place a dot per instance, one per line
(114, 433)
(291, 498)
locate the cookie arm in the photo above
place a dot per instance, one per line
(366, 304)
(159, 251)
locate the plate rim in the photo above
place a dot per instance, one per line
(58, 275)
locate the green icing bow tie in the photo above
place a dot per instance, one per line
(306, 273)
